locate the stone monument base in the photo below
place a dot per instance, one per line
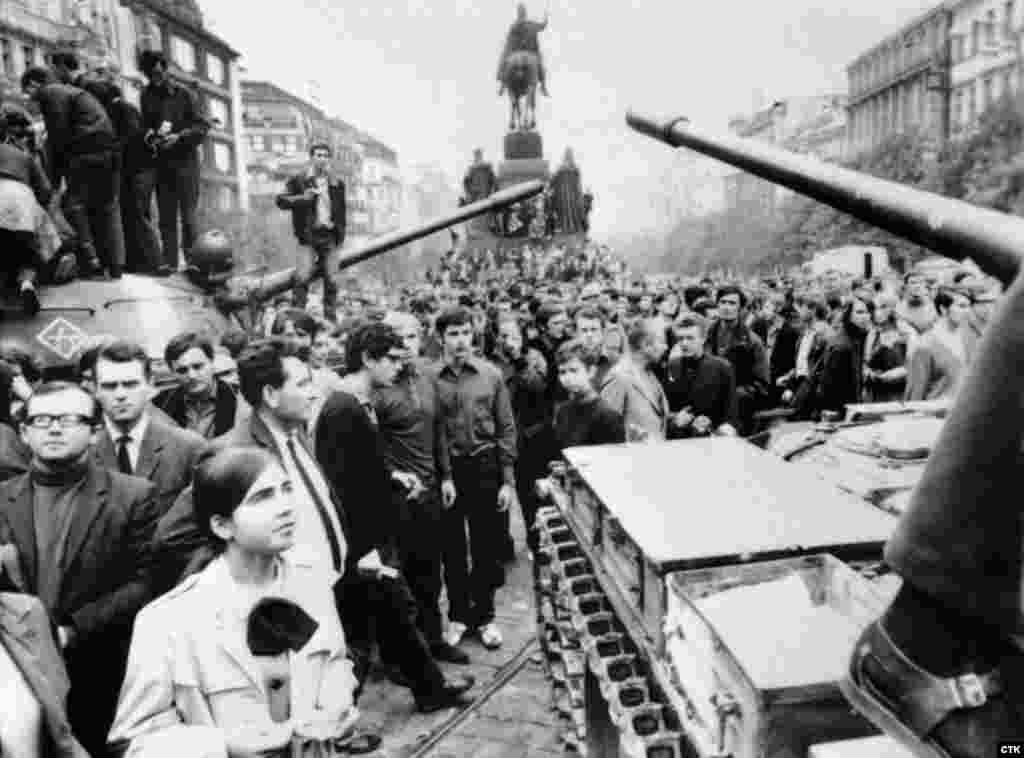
(522, 170)
(523, 145)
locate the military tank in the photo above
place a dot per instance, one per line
(701, 597)
(209, 296)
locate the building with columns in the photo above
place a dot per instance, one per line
(902, 83)
(986, 56)
(813, 125)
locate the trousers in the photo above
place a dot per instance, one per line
(319, 258)
(177, 200)
(419, 551)
(142, 247)
(384, 610)
(473, 569)
(93, 206)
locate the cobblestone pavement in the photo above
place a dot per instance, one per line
(514, 722)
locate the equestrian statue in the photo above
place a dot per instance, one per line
(521, 70)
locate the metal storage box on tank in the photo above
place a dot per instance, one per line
(755, 650)
(646, 510)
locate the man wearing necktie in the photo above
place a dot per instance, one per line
(133, 440)
(279, 388)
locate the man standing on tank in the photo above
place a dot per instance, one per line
(81, 148)
(175, 126)
(316, 199)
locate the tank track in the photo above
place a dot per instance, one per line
(579, 630)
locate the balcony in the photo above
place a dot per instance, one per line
(15, 16)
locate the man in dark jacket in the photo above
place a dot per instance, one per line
(316, 200)
(142, 247)
(352, 453)
(81, 536)
(82, 150)
(175, 127)
(729, 338)
(701, 388)
(201, 402)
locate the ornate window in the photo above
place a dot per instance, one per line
(184, 53)
(220, 112)
(216, 69)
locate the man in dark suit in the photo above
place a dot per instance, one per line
(701, 388)
(81, 534)
(316, 200)
(133, 440)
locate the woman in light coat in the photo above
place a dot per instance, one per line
(248, 655)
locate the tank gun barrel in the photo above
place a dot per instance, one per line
(282, 281)
(952, 228)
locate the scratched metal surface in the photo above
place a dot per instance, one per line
(699, 499)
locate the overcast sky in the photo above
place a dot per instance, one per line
(420, 74)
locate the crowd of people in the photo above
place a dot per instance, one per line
(314, 487)
(77, 183)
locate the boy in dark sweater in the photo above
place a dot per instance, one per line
(584, 418)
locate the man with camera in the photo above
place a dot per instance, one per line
(175, 126)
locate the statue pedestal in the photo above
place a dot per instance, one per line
(522, 170)
(523, 145)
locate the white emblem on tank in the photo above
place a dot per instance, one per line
(62, 337)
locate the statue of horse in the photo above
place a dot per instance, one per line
(520, 81)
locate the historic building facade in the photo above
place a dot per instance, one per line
(110, 34)
(209, 65)
(986, 56)
(902, 84)
(812, 125)
(279, 129)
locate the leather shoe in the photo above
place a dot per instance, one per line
(963, 716)
(451, 695)
(442, 651)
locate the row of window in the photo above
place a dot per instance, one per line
(914, 48)
(897, 110)
(286, 145)
(183, 52)
(987, 33)
(971, 99)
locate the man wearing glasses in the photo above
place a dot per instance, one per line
(75, 535)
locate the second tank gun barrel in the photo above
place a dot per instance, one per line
(282, 281)
(952, 228)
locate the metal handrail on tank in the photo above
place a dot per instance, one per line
(284, 280)
(952, 228)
